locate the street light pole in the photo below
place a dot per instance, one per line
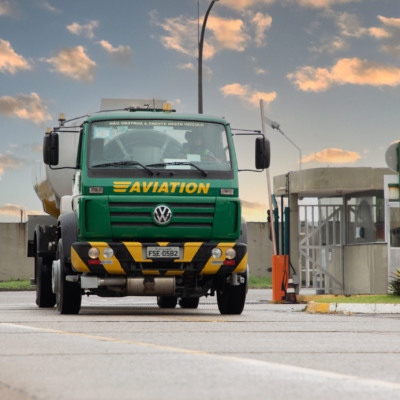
(275, 125)
(200, 59)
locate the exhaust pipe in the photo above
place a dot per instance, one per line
(150, 286)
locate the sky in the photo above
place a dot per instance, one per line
(327, 70)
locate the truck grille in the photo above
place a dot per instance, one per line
(132, 214)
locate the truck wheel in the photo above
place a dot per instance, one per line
(189, 302)
(167, 301)
(231, 299)
(44, 295)
(69, 297)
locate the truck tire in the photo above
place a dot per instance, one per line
(189, 302)
(44, 295)
(167, 301)
(231, 299)
(69, 296)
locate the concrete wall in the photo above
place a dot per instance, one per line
(365, 266)
(14, 264)
(365, 269)
(259, 248)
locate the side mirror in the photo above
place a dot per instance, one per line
(50, 148)
(263, 153)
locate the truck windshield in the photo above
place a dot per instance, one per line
(155, 144)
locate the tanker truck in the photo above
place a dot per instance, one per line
(145, 203)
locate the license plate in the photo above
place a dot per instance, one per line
(162, 252)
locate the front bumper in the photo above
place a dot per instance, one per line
(130, 259)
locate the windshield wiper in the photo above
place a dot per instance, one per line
(122, 163)
(204, 173)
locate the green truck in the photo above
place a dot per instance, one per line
(146, 203)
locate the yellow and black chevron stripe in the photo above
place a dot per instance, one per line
(130, 257)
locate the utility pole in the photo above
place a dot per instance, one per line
(200, 59)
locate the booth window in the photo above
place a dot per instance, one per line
(365, 218)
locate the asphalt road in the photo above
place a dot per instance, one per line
(129, 349)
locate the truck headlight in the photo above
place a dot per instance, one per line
(94, 252)
(230, 254)
(216, 252)
(108, 252)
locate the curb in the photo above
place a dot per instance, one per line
(312, 297)
(354, 308)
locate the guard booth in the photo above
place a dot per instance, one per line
(392, 222)
(392, 202)
(338, 229)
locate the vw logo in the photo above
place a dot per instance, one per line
(162, 215)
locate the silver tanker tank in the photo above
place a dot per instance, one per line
(51, 184)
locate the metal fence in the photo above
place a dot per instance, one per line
(321, 236)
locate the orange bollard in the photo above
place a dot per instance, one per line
(280, 274)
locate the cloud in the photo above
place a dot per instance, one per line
(235, 89)
(352, 71)
(262, 23)
(8, 161)
(391, 49)
(330, 45)
(240, 5)
(390, 23)
(310, 79)
(350, 25)
(187, 66)
(74, 63)
(379, 33)
(86, 30)
(181, 34)
(24, 106)
(5, 8)
(247, 95)
(257, 96)
(10, 61)
(252, 205)
(47, 6)
(122, 53)
(222, 34)
(259, 71)
(389, 33)
(36, 148)
(228, 33)
(322, 3)
(254, 211)
(333, 156)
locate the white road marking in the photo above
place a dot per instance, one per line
(284, 368)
